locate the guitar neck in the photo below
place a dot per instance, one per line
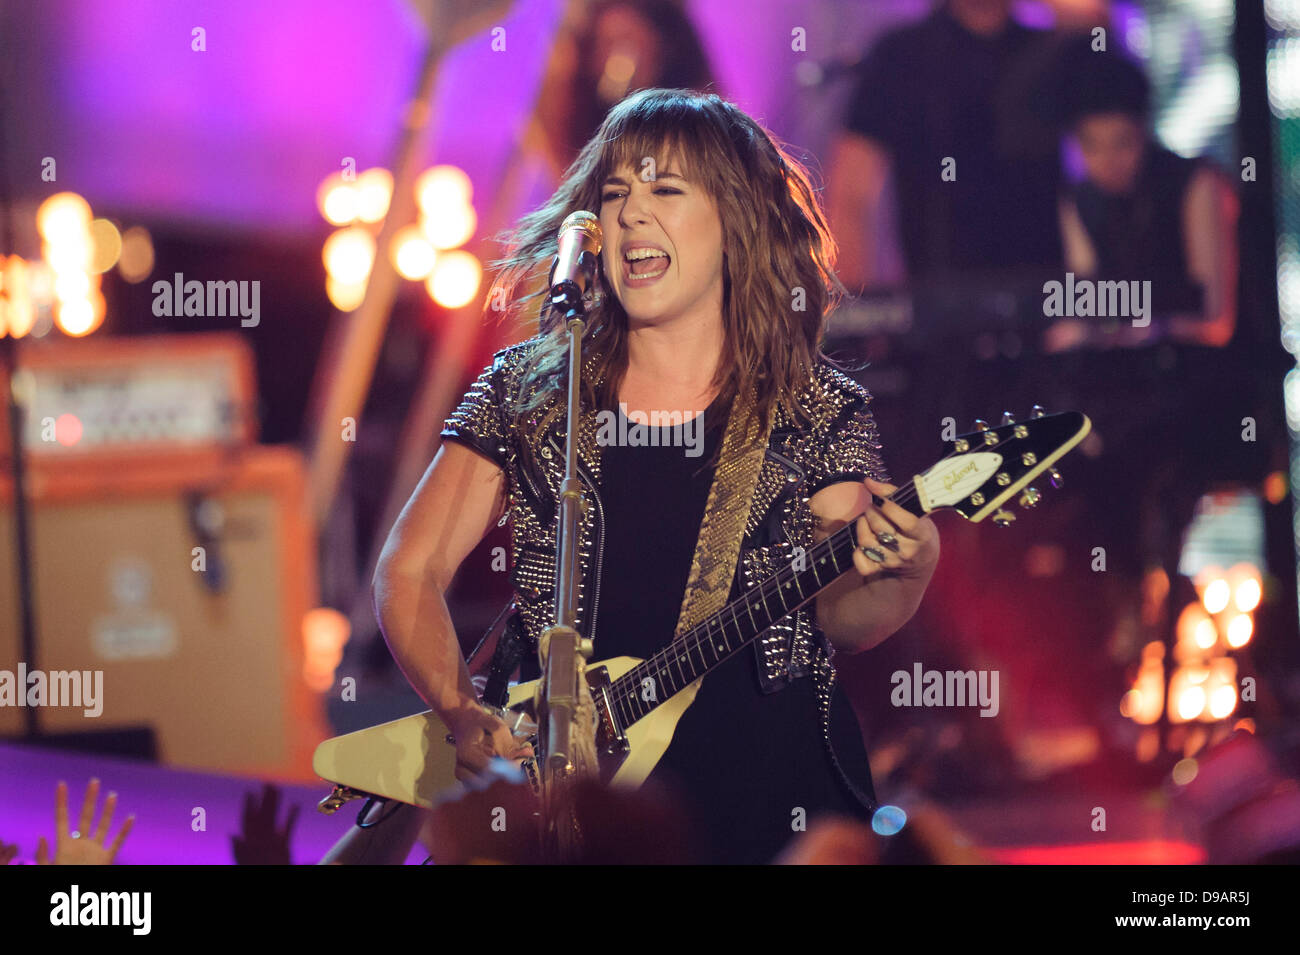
(732, 628)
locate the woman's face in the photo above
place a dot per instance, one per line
(1112, 145)
(662, 251)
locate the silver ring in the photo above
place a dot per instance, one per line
(888, 539)
(873, 553)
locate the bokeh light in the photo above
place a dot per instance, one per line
(1247, 595)
(17, 308)
(105, 244)
(136, 262)
(81, 316)
(1216, 595)
(374, 192)
(325, 632)
(338, 200)
(349, 255)
(412, 254)
(1223, 700)
(455, 279)
(1240, 629)
(345, 296)
(63, 216)
(1190, 702)
(442, 187)
(1185, 771)
(450, 227)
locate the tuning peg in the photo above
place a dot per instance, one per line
(1003, 518)
(981, 424)
(1055, 477)
(1037, 411)
(1007, 418)
(1030, 497)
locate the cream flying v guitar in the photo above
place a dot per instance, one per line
(639, 702)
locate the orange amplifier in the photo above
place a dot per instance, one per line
(172, 558)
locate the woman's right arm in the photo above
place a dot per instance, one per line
(459, 499)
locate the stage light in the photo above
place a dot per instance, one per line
(1194, 633)
(455, 279)
(62, 216)
(412, 255)
(1215, 596)
(81, 316)
(374, 192)
(338, 200)
(440, 188)
(1146, 699)
(1187, 692)
(1130, 703)
(345, 296)
(1275, 487)
(1248, 595)
(1240, 630)
(1191, 701)
(136, 262)
(70, 253)
(17, 307)
(1223, 700)
(450, 226)
(325, 632)
(71, 285)
(106, 245)
(349, 255)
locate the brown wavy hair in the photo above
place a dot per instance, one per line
(775, 234)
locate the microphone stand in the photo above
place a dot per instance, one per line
(563, 650)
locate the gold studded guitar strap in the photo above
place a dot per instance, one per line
(732, 492)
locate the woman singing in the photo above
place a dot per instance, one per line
(717, 280)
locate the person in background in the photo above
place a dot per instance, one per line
(956, 109)
(80, 846)
(613, 49)
(1142, 212)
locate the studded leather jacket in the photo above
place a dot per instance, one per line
(837, 441)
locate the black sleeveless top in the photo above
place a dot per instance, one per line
(744, 763)
(1140, 234)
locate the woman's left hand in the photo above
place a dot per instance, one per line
(907, 545)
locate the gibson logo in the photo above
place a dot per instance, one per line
(952, 477)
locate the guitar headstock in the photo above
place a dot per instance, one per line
(990, 465)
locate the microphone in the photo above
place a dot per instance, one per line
(575, 266)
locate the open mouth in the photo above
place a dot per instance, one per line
(644, 265)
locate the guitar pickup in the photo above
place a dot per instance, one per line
(609, 735)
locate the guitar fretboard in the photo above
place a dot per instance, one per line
(685, 660)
